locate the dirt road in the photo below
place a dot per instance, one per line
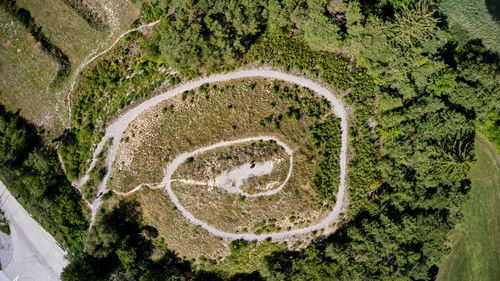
(117, 128)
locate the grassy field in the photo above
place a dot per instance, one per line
(473, 17)
(72, 33)
(476, 242)
(25, 73)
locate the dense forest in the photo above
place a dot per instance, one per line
(419, 86)
(419, 92)
(34, 176)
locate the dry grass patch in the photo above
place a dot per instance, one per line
(193, 242)
(291, 209)
(187, 240)
(212, 113)
(223, 111)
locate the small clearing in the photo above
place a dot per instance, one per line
(232, 180)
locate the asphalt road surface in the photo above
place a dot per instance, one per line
(36, 254)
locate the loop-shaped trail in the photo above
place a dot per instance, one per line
(117, 128)
(172, 166)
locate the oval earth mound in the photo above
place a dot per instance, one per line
(232, 179)
(238, 211)
(117, 129)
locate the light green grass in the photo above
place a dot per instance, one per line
(476, 251)
(473, 18)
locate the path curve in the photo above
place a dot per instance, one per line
(117, 128)
(91, 57)
(86, 61)
(179, 160)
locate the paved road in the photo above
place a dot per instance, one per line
(117, 128)
(36, 255)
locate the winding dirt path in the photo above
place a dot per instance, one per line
(116, 130)
(92, 56)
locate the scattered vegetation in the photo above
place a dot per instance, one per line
(96, 175)
(325, 136)
(280, 49)
(245, 257)
(207, 166)
(111, 84)
(242, 103)
(82, 8)
(212, 123)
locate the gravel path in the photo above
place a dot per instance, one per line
(90, 58)
(116, 130)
